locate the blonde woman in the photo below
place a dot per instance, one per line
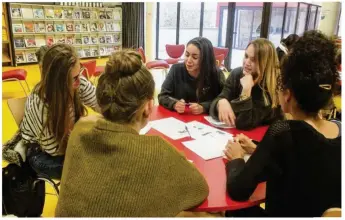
(249, 96)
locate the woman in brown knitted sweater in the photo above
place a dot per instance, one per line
(112, 171)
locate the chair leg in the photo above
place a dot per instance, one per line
(23, 88)
(53, 184)
(27, 85)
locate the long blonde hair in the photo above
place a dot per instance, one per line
(267, 63)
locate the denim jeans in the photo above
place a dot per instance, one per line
(43, 163)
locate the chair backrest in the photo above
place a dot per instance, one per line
(175, 51)
(221, 50)
(16, 107)
(219, 59)
(332, 212)
(91, 68)
(142, 54)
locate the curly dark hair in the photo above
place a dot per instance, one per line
(309, 71)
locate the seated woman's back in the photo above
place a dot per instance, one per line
(112, 171)
(306, 177)
(301, 158)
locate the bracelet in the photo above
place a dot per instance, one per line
(243, 97)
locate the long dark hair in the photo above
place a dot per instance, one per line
(208, 76)
(55, 88)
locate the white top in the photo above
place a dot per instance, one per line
(35, 116)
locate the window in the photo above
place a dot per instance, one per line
(189, 21)
(290, 21)
(302, 18)
(247, 27)
(276, 24)
(318, 14)
(167, 26)
(312, 16)
(211, 22)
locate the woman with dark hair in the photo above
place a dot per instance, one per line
(300, 158)
(53, 107)
(286, 44)
(112, 171)
(196, 82)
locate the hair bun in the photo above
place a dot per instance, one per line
(123, 63)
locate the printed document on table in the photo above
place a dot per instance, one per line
(207, 148)
(146, 129)
(199, 130)
(217, 123)
(171, 127)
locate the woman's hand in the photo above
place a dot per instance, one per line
(196, 109)
(246, 143)
(225, 112)
(247, 83)
(180, 106)
(233, 150)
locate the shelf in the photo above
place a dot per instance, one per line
(5, 42)
(5, 58)
(55, 33)
(63, 20)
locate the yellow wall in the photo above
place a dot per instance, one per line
(331, 12)
(149, 37)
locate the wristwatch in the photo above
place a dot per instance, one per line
(243, 97)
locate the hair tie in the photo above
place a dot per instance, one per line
(325, 86)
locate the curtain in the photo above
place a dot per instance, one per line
(133, 24)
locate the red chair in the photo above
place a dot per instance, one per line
(174, 52)
(88, 69)
(221, 50)
(16, 75)
(99, 70)
(219, 59)
(156, 64)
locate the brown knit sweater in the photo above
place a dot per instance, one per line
(112, 171)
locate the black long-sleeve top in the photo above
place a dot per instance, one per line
(180, 85)
(302, 169)
(251, 112)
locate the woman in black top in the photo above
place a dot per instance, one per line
(196, 82)
(286, 44)
(249, 97)
(301, 158)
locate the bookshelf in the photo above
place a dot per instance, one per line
(94, 32)
(7, 57)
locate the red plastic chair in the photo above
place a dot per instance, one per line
(174, 52)
(99, 70)
(156, 64)
(219, 59)
(16, 75)
(88, 69)
(221, 50)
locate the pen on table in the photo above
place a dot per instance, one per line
(187, 130)
(186, 103)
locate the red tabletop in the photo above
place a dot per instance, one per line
(213, 170)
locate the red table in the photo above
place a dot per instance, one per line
(213, 170)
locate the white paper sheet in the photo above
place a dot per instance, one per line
(146, 129)
(171, 127)
(207, 148)
(217, 123)
(199, 130)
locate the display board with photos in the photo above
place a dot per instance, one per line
(94, 32)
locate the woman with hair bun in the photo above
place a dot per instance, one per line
(112, 171)
(300, 158)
